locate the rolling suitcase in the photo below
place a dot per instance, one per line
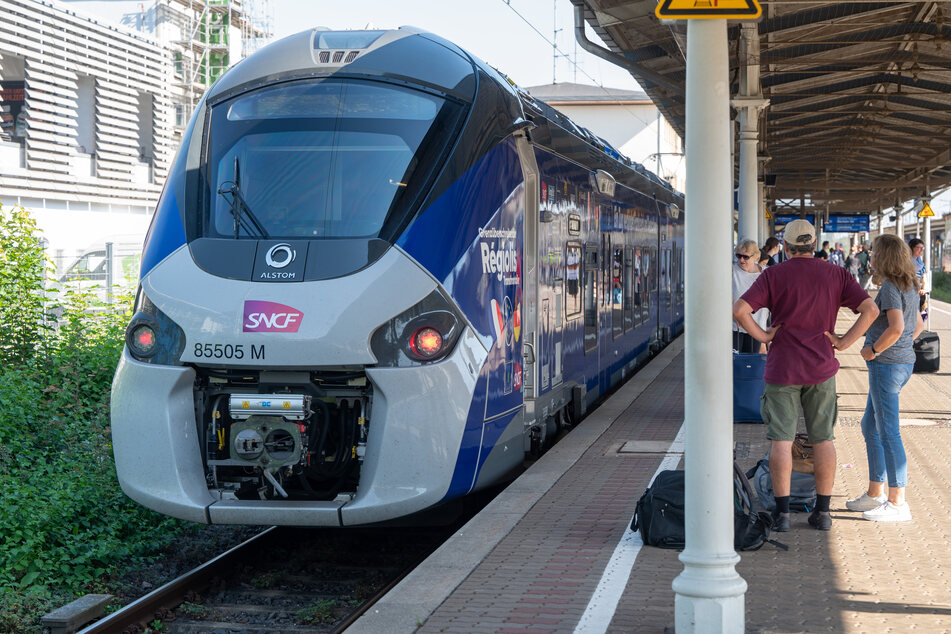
(748, 386)
(927, 352)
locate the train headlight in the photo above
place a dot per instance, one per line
(425, 333)
(152, 337)
(142, 340)
(426, 342)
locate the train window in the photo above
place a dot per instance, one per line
(652, 277)
(574, 224)
(665, 276)
(618, 295)
(680, 275)
(628, 287)
(319, 158)
(590, 297)
(572, 277)
(645, 262)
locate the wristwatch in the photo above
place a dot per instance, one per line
(872, 346)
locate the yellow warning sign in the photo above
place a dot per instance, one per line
(926, 211)
(769, 216)
(710, 9)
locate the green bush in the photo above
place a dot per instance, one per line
(64, 523)
(941, 286)
(22, 300)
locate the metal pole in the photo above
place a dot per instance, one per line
(927, 279)
(709, 593)
(110, 256)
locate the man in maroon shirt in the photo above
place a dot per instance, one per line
(803, 295)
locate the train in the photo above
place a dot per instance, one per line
(378, 276)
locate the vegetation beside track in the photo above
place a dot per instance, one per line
(65, 526)
(941, 286)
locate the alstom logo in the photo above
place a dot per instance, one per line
(262, 316)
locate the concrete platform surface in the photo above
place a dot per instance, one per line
(553, 552)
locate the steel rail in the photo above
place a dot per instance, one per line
(173, 592)
(366, 605)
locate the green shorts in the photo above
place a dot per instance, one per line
(780, 408)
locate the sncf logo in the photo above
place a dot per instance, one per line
(262, 316)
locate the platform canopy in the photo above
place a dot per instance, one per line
(859, 114)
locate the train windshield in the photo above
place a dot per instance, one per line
(320, 158)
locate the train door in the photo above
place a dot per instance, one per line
(551, 283)
(529, 321)
(666, 241)
(604, 308)
(657, 274)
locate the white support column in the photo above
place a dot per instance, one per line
(749, 102)
(709, 592)
(748, 224)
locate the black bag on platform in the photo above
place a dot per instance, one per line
(748, 386)
(659, 515)
(927, 352)
(750, 528)
(802, 488)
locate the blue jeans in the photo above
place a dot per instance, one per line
(886, 454)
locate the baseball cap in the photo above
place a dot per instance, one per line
(800, 232)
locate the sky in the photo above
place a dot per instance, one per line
(489, 29)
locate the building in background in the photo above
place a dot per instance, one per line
(627, 120)
(94, 97)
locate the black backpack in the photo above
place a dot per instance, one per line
(659, 515)
(750, 528)
(802, 488)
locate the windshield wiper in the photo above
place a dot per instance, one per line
(244, 218)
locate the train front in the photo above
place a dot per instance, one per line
(326, 289)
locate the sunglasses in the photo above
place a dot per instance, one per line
(742, 256)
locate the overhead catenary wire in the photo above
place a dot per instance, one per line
(560, 52)
(563, 54)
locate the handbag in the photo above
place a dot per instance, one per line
(803, 455)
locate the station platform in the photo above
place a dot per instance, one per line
(554, 552)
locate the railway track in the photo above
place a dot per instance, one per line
(287, 580)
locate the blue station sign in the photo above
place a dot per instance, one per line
(785, 219)
(846, 224)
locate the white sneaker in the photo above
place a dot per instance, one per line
(889, 512)
(865, 502)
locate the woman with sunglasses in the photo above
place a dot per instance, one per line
(745, 271)
(890, 358)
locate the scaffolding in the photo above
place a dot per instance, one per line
(207, 45)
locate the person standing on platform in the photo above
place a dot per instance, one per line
(770, 249)
(852, 263)
(835, 255)
(745, 271)
(917, 246)
(803, 295)
(865, 269)
(824, 253)
(890, 358)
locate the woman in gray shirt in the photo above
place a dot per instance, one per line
(890, 359)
